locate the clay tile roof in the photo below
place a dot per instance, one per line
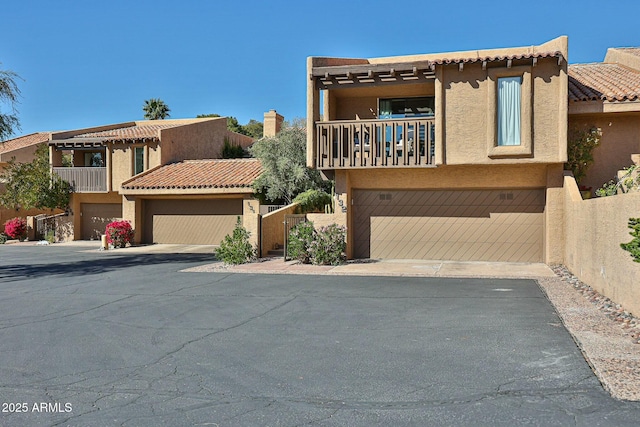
(24, 141)
(196, 174)
(631, 50)
(527, 55)
(130, 132)
(603, 81)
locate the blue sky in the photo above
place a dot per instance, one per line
(86, 63)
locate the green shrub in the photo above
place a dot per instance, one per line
(312, 201)
(633, 247)
(580, 145)
(629, 181)
(300, 237)
(329, 245)
(3, 238)
(231, 151)
(236, 248)
(50, 236)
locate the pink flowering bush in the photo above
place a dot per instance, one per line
(119, 233)
(16, 228)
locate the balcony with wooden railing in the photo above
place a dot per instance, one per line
(84, 179)
(388, 143)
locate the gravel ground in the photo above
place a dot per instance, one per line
(607, 334)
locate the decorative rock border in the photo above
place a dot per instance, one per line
(628, 322)
(604, 332)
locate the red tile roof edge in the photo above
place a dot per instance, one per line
(171, 167)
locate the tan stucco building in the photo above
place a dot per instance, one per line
(21, 150)
(106, 158)
(454, 156)
(606, 95)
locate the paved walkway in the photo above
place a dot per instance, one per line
(402, 267)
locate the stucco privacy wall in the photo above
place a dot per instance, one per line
(251, 220)
(273, 228)
(594, 229)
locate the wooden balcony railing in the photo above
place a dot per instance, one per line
(84, 179)
(375, 143)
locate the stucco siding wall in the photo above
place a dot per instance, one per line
(22, 155)
(481, 177)
(594, 229)
(467, 118)
(121, 165)
(201, 140)
(154, 155)
(620, 139)
(345, 104)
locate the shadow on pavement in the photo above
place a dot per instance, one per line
(96, 266)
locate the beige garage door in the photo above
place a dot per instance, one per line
(195, 222)
(96, 216)
(474, 225)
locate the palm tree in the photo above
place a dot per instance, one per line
(9, 93)
(155, 109)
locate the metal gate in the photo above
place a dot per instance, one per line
(291, 221)
(46, 224)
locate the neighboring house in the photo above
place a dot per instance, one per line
(190, 202)
(152, 158)
(22, 150)
(607, 95)
(435, 156)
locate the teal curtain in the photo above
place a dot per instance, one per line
(509, 110)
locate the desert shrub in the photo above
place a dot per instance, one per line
(329, 245)
(633, 247)
(236, 247)
(629, 181)
(3, 238)
(50, 236)
(119, 233)
(16, 228)
(300, 238)
(312, 201)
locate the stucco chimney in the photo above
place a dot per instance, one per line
(272, 123)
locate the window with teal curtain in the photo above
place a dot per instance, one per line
(509, 94)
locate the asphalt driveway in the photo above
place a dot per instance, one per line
(89, 338)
